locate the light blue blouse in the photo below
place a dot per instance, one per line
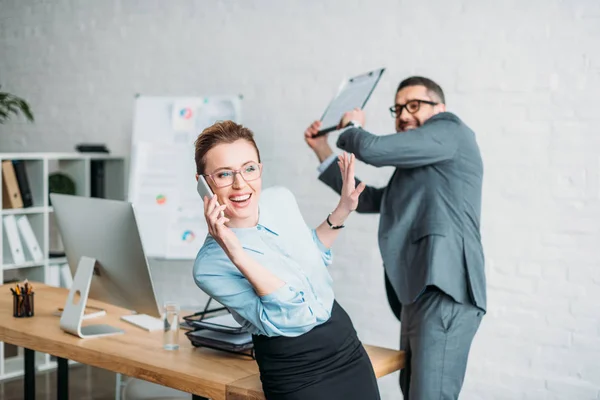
(286, 246)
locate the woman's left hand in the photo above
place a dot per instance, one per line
(350, 192)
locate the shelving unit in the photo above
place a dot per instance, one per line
(39, 167)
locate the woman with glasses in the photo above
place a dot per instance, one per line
(264, 264)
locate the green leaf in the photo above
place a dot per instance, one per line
(27, 111)
(15, 105)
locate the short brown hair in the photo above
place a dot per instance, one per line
(430, 85)
(220, 132)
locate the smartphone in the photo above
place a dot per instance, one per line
(205, 190)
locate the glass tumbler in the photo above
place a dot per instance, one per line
(171, 325)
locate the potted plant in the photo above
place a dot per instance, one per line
(11, 104)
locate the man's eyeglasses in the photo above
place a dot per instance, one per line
(412, 107)
(226, 177)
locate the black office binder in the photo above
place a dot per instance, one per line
(215, 335)
(23, 182)
(219, 323)
(237, 343)
(97, 179)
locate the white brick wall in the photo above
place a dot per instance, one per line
(524, 75)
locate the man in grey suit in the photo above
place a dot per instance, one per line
(429, 230)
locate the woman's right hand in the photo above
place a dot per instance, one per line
(350, 192)
(217, 229)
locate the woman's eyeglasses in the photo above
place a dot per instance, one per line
(226, 177)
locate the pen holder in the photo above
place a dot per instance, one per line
(23, 305)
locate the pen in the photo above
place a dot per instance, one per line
(18, 291)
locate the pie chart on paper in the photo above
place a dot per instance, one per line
(161, 199)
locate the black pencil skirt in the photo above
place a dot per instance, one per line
(328, 363)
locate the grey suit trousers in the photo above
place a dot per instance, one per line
(436, 334)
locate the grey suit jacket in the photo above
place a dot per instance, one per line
(429, 228)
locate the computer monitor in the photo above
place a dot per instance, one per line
(106, 230)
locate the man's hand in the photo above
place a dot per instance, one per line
(357, 115)
(318, 144)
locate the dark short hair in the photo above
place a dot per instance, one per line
(430, 85)
(220, 132)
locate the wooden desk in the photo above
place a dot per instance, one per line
(138, 353)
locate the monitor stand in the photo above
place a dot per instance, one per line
(72, 316)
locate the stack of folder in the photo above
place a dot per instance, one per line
(221, 332)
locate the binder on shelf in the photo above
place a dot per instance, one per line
(11, 195)
(23, 182)
(30, 240)
(14, 242)
(97, 179)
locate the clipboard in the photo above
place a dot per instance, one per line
(353, 93)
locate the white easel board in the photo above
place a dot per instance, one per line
(162, 185)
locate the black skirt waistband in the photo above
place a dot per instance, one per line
(290, 363)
